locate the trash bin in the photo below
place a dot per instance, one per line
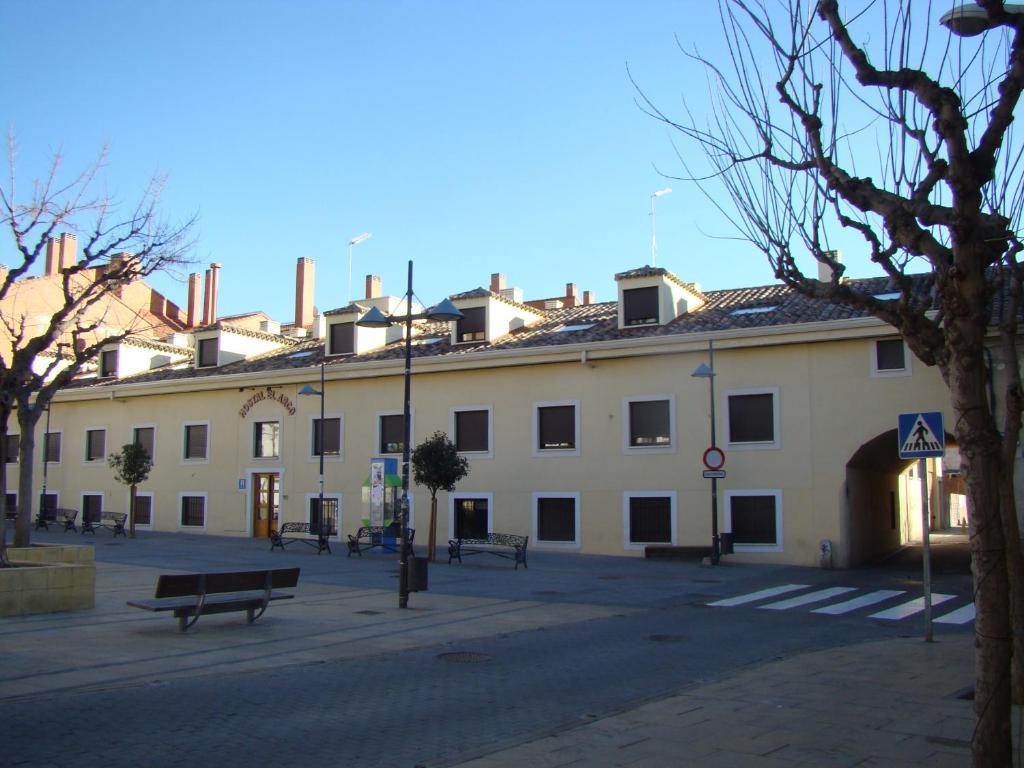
(417, 574)
(725, 543)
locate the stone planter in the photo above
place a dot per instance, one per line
(48, 578)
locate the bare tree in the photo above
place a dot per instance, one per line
(38, 356)
(875, 121)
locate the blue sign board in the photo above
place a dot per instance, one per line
(921, 435)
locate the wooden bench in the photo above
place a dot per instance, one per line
(370, 536)
(57, 516)
(494, 544)
(192, 595)
(113, 521)
(290, 532)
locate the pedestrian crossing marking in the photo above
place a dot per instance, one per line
(859, 602)
(760, 595)
(903, 610)
(810, 597)
(959, 616)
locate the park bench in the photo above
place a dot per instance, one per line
(507, 545)
(303, 532)
(370, 536)
(113, 521)
(191, 595)
(57, 516)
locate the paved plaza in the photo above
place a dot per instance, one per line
(578, 660)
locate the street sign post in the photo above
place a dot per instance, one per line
(713, 474)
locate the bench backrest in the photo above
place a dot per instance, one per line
(183, 584)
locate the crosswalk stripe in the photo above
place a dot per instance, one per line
(760, 595)
(959, 616)
(859, 602)
(903, 610)
(810, 597)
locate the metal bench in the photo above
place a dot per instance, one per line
(370, 536)
(290, 532)
(493, 544)
(113, 521)
(57, 516)
(192, 595)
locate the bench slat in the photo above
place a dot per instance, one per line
(178, 585)
(237, 601)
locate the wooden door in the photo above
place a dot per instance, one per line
(265, 502)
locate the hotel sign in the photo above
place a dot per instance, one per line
(267, 394)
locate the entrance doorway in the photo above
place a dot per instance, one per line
(266, 500)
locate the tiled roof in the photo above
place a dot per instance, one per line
(647, 271)
(353, 307)
(159, 346)
(222, 326)
(483, 293)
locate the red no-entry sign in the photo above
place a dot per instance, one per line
(714, 458)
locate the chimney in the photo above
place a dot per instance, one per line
(305, 272)
(68, 251)
(193, 299)
(52, 257)
(497, 282)
(374, 289)
(215, 269)
(570, 295)
(824, 270)
(588, 297)
(207, 290)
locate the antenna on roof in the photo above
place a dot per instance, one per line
(654, 239)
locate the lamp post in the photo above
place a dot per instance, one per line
(707, 371)
(374, 318)
(654, 239)
(970, 19)
(46, 462)
(308, 390)
(351, 243)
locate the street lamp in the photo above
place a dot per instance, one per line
(46, 463)
(353, 242)
(970, 19)
(308, 390)
(654, 239)
(374, 318)
(707, 371)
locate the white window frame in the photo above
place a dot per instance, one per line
(13, 493)
(81, 506)
(60, 452)
(541, 452)
(184, 442)
(252, 435)
(489, 453)
(17, 457)
(674, 519)
(131, 437)
(376, 431)
(544, 543)
(888, 373)
(85, 446)
(774, 444)
(341, 510)
(456, 496)
(49, 492)
(206, 511)
(627, 447)
(777, 493)
(313, 458)
(152, 508)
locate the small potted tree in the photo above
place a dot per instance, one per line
(131, 466)
(437, 465)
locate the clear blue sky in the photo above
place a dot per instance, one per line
(471, 136)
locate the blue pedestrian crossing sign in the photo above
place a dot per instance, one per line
(921, 435)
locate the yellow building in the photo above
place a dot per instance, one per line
(582, 422)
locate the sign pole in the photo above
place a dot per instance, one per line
(926, 557)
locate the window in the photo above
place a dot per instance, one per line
(11, 447)
(145, 438)
(10, 503)
(208, 352)
(143, 509)
(49, 502)
(51, 447)
(650, 423)
(331, 508)
(752, 418)
(650, 518)
(330, 434)
(755, 519)
(95, 444)
(640, 306)
(92, 507)
(471, 516)
(193, 511)
(196, 436)
(889, 358)
(472, 429)
(108, 362)
(266, 440)
(342, 338)
(472, 326)
(391, 430)
(556, 428)
(556, 519)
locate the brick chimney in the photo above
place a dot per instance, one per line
(305, 271)
(68, 251)
(588, 297)
(52, 257)
(193, 299)
(497, 282)
(215, 269)
(207, 292)
(374, 288)
(570, 295)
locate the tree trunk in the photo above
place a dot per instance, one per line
(131, 512)
(27, 420)
(5, 414)
(432, 535)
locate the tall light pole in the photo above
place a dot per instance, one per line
(46, 462)
(971, 19)
(308, 390)
(654, 237)
(351, 243)
(707, 371)
(443, 312)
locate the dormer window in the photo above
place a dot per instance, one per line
(207, 353)
(640, 306)
(342, 338)
(108, 363)
(473, 325)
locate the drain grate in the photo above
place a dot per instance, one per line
(464, 657)
(369, 613)
(667, 638)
